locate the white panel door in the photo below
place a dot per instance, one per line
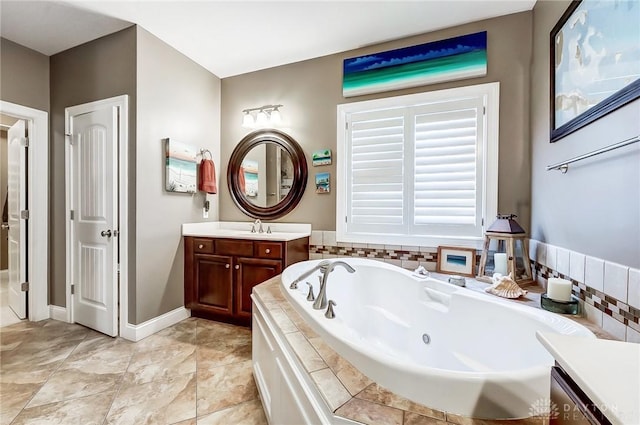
(16, 195)
(94, 205)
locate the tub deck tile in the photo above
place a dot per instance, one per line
(367, 412)
(283, 321)
(379, 394)
(300, 323)
(411, 418)
(353, 380)
(332, 390)
(309, 357)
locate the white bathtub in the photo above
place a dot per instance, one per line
(482, 359)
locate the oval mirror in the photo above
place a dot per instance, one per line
(267, 174)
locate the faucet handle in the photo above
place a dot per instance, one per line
(253, 228)
(330, 313)
(310, 296)
(268, 230)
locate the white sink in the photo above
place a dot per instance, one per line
(242, 230)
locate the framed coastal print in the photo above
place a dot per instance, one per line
(453, 260)
(180, 161)
(595, 63)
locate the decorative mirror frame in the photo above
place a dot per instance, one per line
(300, 173)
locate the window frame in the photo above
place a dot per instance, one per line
(490, 146)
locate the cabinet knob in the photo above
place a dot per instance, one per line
(237, 267)
(200, 246)
(267, 251)
(226, 266)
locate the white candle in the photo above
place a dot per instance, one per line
(500, 263)
(559, 289)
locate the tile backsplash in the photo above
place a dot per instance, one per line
(322, 244)
(609, 292)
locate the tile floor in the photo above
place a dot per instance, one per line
(7, 316)
(195, 372)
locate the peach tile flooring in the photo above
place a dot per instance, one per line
(195, 372)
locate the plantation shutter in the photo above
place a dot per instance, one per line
(447, 175)
(375, 192)
(416, 172)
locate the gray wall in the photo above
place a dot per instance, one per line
(595, 208)
(311, 90)
(24, 76)
(177, 99)
(100, 69)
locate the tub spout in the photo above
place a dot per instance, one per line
(322, 266)
(321, 299)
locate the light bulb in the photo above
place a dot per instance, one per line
(262, 118)
(276, 118)
(247, 120)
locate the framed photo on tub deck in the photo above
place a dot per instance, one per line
(453, 260)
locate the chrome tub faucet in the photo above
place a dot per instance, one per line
(321, 299)
(322, 266)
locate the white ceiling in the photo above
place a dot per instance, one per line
(235, 37)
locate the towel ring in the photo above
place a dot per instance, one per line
(203, 152)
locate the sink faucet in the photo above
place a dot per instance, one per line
(321, 300)
(322, 266)
(259, 224)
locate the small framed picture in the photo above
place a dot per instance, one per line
(322, 183)
(321, 157)
(453, 260)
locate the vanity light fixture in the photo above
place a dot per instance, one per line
(264, 116)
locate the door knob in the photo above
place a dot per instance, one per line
(4, 226)
(105, 233)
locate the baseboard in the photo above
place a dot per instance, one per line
(58, 313)
(137, 332)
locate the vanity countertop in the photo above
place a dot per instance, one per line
(607, 371)
(281, 232)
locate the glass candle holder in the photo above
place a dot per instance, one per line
(562, 307)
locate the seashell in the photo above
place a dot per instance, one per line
(506, 287)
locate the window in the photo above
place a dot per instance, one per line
(418, 169)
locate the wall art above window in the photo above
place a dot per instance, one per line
(455, 58)
(595, 63)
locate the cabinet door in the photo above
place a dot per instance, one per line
(252, 272)
(214, 283)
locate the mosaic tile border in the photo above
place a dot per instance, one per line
(620, 311)
(377, 253)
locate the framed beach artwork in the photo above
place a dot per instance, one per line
(595, 63)
(321, 157)
(181, 167)
(435, 62)
(250, 170)
(453, 260)
(322, 183)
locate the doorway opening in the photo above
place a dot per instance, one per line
(26, 227)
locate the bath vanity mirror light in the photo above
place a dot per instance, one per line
(267, 174)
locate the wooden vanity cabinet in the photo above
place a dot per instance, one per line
(219, 274)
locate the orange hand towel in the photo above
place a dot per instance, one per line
(207, 182)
